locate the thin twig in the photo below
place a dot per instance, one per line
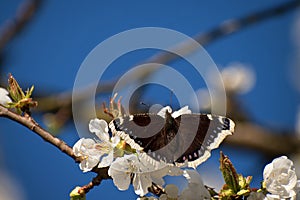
(33, 126)
(102, 173)
(27, 121)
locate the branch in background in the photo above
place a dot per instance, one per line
(264, 139)
(13, 26)
(224, 29)
(271, 143)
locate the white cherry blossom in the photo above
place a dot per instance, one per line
(122, 169)
(96, 151)
(171, 192)
(85, 148)
(142, 171)
(256, 196)
(4, 98)
(196, 189)
(280, 178)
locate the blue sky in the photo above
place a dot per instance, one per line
(50, 50)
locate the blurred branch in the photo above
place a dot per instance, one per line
(224, 29)
(56, 101)
(265, 140)
(271, 143)
(13, 26)
(227, 27)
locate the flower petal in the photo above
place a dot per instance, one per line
(256, 196)
(82, 146)
(100, 128)
(196, 189)
(120, 179)
(106, 160)
(88, 164)
(115, 140)
(171, 191)
(120, 173)
(76, 147)
(141, 182)
(4, 98)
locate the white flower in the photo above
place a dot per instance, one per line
(142, 171)
(196, 189)
(85, 148)
(183, 110)
(280, 178)
(171, 192)
(121, 170)
(256, 196)
(4, 98)
(99, 150)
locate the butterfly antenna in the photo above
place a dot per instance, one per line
(144, 104)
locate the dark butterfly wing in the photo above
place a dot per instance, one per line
(210, 132)
(187, 138)
(140, 131)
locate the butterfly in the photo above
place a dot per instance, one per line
(179, 140)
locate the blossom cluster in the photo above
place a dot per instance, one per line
(129, 166)
(126, 165)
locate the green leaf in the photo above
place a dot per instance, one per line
(21, 102)
(229, 173)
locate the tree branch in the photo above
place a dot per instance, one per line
(28, 122)
(33, 126)
(102, 173)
